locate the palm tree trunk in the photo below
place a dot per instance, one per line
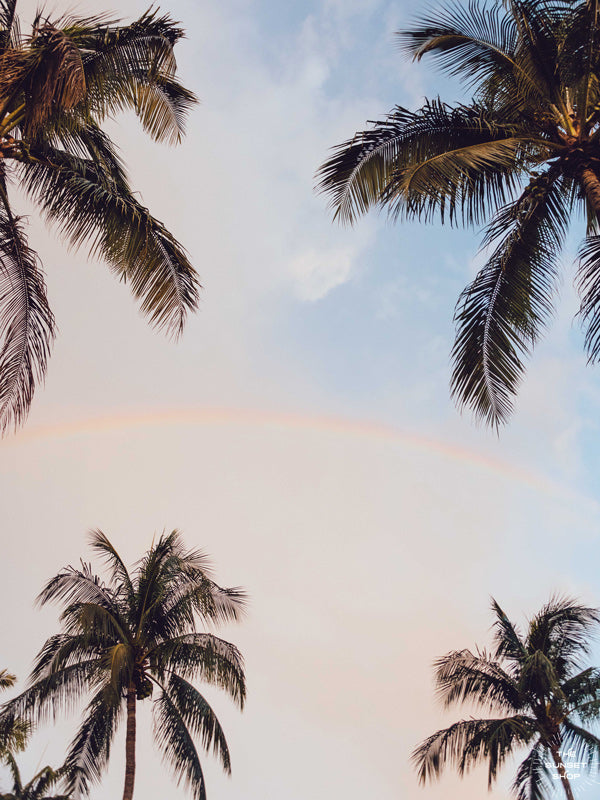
(130, 745)
(591, 186)
(562, 772)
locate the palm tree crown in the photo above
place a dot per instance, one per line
(535, 683)
(58, 84)
(523, 156)
(13, 731)
(131, 639)
(38, 788)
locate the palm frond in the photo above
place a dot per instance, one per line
(533, 780)
(9, 26)
(89, 751)
(474, 42)
(7, 679)
(471, 157)
(177, 746)
(118, 572)
(199, 718)
(206, 657)
(26, 322)
(461, 676)
(500, 315)
(11, 762)
(466, 180)
(14, 733)
(508, 639)
(133, 67)
(563, 630)
(583, 744)
(163, 106)
(583, 693)
(538, 54)
(588, 285)
(44, 780)
(91, 207)
(55, 692)
(468, 742)
(55, 78)
(72, 586)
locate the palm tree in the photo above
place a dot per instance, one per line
(535, 684)
(126, 639)
(13, 731)
(523, 155)
(58, 84)
(38, 787)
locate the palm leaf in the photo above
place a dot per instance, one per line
(462, 676)
(118, 572)
(468, 742)
(507, 638)
(583, 744)
(7, 679)
(199, 718)
(474, 42)
(533, 780)
(465, 156)
(206, 657)
(132, 67)
(90, 207)
(89, 751)
(499, 316)
(177, 746)
(26, 322)
(588, 285)
(9, 25)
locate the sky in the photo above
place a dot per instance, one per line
(301, 430)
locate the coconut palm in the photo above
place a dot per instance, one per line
(58, 84)
(38, 787)
(134, 639)
(13, 731)
(523, 156)
(542, 696)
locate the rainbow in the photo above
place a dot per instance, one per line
(220, 416)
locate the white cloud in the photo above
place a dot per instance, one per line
(316, 273)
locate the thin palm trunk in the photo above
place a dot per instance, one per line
(130, 745)
(560, 767)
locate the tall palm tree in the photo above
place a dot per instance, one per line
(58, 85)
(523, 156)
(542, 695)
(38, 787)
(132, 639)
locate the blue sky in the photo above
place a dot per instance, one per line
(301, 430)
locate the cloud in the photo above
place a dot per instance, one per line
(317, 273)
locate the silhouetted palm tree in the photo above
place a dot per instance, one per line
(38, 787)
(13, 731)
(542, 697)
(127, 639)
(58, 85)
(523, 155)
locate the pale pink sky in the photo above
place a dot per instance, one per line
(369, 523)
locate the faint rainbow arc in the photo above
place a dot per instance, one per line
(331, 424)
